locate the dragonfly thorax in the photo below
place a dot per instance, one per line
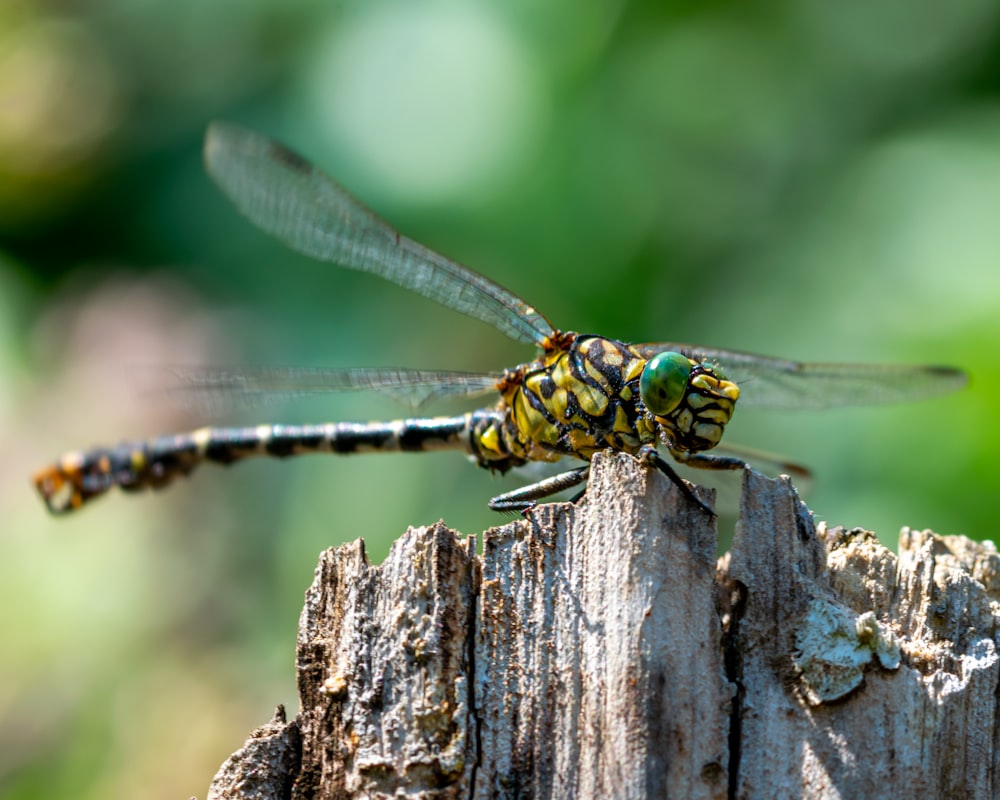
(592, 393)
(583, 395)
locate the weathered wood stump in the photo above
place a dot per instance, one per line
(599, 650)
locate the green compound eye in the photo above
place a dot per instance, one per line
(664, 381)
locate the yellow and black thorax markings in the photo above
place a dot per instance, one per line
(574, 400)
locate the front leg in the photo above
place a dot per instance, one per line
(649, 456)
(707, 460)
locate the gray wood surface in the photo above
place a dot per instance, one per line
(601, 650)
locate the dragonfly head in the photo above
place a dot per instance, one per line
(692, 401)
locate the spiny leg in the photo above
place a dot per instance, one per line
(528, 496)
(710, 461)
(649, 456)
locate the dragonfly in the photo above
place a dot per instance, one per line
(581, 394)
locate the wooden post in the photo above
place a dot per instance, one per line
(599, 650)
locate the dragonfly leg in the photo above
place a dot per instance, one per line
(649, 456)
(528, 496)
(709, 460)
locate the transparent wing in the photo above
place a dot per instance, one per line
(777, 383)
(288, 197)
(211, 389)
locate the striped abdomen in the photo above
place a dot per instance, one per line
(133, 466)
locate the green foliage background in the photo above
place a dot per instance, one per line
(806, 179)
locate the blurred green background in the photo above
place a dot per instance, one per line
(806, 179)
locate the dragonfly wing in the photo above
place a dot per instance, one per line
(216, 389)
(286, 196)
(779, 383)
